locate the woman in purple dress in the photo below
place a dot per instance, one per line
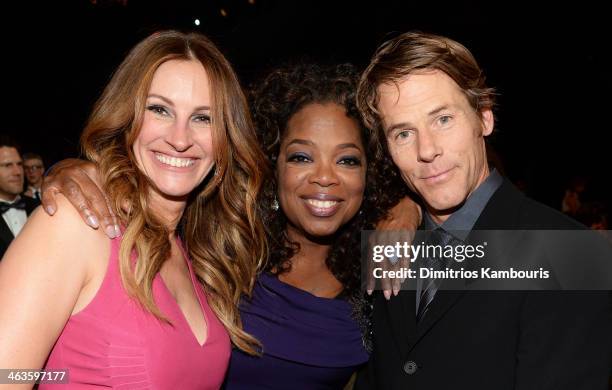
(307, 309)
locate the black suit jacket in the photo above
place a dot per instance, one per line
(494, 340)
(6, 236)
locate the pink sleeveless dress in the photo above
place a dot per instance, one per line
(114, 343)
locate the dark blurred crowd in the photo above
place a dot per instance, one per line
(581, 199)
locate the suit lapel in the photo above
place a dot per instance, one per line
(442, 302)
(402, 313)
(501, 212)
(5, 233)
(30, 204)
(496, 214)
(401, 310)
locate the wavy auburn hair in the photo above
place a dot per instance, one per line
(221, 228)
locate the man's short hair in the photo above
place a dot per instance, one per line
(9, 142)
(413, 52)
(31, 156)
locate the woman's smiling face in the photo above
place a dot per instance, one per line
(174, 147)
(321, 170)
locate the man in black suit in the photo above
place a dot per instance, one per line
(426, 98)
(14, 208)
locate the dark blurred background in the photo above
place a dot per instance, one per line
(550, 64)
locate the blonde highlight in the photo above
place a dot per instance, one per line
(221, 227)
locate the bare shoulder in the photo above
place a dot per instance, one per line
(59, 242)
(66, 219)
(44, 274)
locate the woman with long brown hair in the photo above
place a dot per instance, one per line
(157, 307)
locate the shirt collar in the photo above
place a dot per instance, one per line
(461, 222)
(17, 198)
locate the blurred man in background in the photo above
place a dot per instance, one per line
(34, 168)
(14, 208)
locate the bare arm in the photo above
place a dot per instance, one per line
(403, 221)
(42, 277)
(78, 181)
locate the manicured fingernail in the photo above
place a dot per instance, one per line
(387, 294)
(110, 231)
(395, 291)
(117, 231)
(369, 291)
(50, 210)
(92, 221)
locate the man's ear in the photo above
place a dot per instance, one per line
(488, 121)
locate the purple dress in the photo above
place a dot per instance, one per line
(308, 342)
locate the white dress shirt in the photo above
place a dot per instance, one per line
(36, 194)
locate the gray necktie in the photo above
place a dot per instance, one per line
(430, 285)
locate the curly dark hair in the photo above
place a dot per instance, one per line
(275, 100)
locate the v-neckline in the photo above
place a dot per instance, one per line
(195, 291)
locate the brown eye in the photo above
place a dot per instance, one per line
(158, 110)
(298, 158)
(350, 161)
(204, 119)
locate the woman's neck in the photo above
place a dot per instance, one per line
(169, 210)
(313, 251)
(309, 269)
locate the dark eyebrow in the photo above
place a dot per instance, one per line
(310, 143)
(170, 103)
(348, 145)
(300, 142)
